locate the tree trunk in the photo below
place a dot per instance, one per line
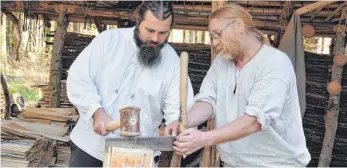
(55, 74)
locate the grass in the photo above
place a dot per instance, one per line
(30, 95)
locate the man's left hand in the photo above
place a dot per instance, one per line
(171, 129)
(190, 141)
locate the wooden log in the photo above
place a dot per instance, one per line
(183, 122)
(308, 31)
(333, 108)
(6, 97)
(313, 6)
(55, 72)
(340, 60)
(334, 88)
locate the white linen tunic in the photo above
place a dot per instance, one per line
(107, 74)
(266, 88)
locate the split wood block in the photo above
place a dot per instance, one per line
(125, 157)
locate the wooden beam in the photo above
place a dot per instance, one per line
(276, 4)
(56, 66)
(11, 17)
(331, 120)
(18, 36)
(98, 25)
(53, 7)
(284, 19)
(313, 7)
(337, 10)
(45, 20)
(315, 13)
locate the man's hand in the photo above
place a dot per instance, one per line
(100, 119)
(190, 141)
(171, 129)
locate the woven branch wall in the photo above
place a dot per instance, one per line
(317, 78)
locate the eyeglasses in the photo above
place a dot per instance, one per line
(218, 35)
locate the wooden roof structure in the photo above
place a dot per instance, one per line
(269, 16)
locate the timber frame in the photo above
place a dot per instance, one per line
(270, 17)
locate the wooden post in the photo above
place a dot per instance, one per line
(6, 97)
(210, 156)
(334, 89)
(284, 18)
(18, 36)
(55, 72)
(183, 121)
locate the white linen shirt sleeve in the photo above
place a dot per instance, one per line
(81, 89)
(266, 100)
(172, 98)
(208, 89)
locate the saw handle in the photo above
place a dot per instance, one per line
(112, 125)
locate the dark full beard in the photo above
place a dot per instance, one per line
(147, 56)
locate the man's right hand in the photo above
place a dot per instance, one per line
(100, 119)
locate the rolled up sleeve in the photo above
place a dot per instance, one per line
(208, 89)
(266, 100)
(81, 89)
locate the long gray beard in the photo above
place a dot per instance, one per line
(147, 56)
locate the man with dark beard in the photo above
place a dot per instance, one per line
(251, 90)
(125, 67)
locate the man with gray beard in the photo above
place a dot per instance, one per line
(251, 91)
(125, 67)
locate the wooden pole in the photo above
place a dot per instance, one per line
(210, 156)
(313, 6)
(55, 72)
(176, 159)
(6, 97)
(334, 102)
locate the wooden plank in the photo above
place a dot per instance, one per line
(17, 130)
(37, 130)
(33, 120)
(46, 115)
(65, 111)
(55, 71)
(313, 6)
